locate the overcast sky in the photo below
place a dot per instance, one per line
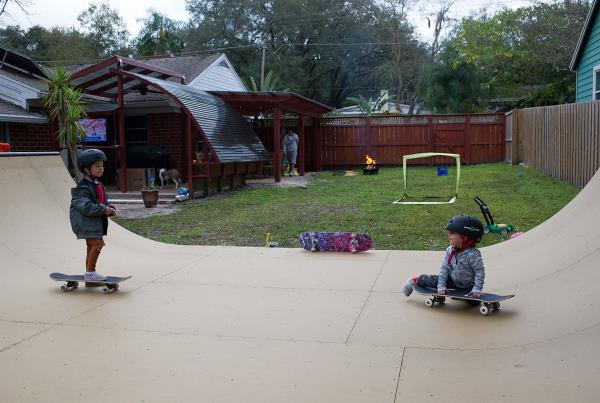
(64, 13)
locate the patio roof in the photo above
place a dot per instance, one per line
(100, 79)
(228, 133)
(253, 103)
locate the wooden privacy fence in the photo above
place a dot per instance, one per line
(561, 140)
(477, 138)
(344, 140)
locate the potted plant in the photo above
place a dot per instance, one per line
(150, 195)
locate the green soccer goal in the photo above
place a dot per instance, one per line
(430, 178)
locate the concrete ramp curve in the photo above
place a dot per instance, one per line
(231, 324)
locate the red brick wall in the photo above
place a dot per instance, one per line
(167, 130)
(30, 137)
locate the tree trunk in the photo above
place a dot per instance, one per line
(71, 147)
(73, 154)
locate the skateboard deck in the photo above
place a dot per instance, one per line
(335, 242)
(72, 281)
(488, 302)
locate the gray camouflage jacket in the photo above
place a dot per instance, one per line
(465, 269)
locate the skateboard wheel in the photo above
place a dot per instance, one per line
(429, 302)
(64, 288)
(484, 310)
(496, 306)
(106, 290)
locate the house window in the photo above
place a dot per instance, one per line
(596, 88)
(136, 130)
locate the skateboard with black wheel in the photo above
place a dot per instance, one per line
(488, 302)
(72, 281)
(335, 242)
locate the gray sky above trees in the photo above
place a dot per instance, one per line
(64, 12)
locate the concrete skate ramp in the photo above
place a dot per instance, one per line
(231, 324)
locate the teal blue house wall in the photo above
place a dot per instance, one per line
(586, 59)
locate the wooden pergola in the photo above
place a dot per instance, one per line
(111, 79)
(255, 103)
(116, 76)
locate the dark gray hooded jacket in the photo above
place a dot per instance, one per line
(87, 213)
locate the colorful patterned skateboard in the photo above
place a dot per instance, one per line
(72, 281)
(335, 242)
(488, 302)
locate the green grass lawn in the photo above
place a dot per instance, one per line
(333, 202)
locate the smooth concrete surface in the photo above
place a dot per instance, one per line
(225, 324)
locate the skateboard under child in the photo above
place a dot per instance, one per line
(72, 281)
(488, 302)
(335, 241)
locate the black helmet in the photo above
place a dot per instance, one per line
(466, 225)
(88, 157)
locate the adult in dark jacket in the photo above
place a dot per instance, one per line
(90, 210)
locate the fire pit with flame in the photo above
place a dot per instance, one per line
(370, 166)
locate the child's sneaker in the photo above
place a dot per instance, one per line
(93, 276)
(408, 287)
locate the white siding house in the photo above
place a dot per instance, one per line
(219, 76)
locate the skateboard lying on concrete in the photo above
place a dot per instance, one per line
(335, 242)
(72, 281)
(488, 302)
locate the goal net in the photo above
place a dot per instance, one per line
(430, 178)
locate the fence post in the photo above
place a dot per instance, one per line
(369, 139)
(468, 139)
(516, 136)
(430, 136)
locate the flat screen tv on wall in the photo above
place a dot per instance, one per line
(95, 130)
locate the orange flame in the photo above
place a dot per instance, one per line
(370, 161)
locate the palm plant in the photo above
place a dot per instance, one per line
(269, 84)
(367, 106)
(64, 104)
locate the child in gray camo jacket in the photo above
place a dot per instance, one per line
(462, 266)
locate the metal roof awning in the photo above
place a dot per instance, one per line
(100, 79)
(253, 103)
(229, 134)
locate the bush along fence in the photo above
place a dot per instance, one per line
(345, 140)
(561, 140)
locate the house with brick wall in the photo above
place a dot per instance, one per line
(189, 113)
(21, 79)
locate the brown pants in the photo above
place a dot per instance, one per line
(94, 246)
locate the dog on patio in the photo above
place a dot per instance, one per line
(167, 175)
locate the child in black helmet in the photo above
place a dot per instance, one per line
(462, 266)
(90, 209)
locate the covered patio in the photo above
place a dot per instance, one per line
(210, 141)
(276, 103)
